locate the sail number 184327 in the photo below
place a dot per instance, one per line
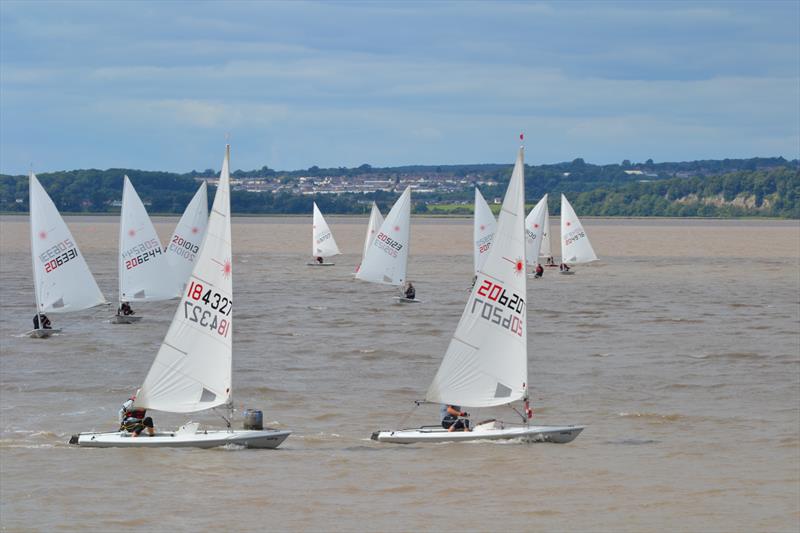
(209, 310)
(499, 306)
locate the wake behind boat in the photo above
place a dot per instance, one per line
(486, 363)
(192, 371)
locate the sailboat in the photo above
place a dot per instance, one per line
(546, 251)
(192, 370)
(141, 262)
(323, 244)
(484, 226)
(575, 245)
(184, 244)
(62, 282)
(374, 224)
(486, 363)
(386, 258)
(534, 230)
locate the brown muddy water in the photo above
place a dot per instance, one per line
(680, 351)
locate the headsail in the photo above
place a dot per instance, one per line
(575, 246)
(184, 245)
(62, 280)
(486, 362)
(483, 229)
(534, 230)
(192, 370)
(387, 257)
(141, 261)
(375, 222)
(322, 242)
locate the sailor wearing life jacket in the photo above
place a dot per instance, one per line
(134, 420)
(450, 418)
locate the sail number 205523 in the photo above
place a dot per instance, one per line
(499, 307)
(210, 309)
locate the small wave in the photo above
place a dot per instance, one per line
(631, 442)
(663, 320)
(654, 417)
(317, 307)
(601, 355)
(367, 350)
(727, 355)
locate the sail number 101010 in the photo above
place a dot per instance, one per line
(209, 310)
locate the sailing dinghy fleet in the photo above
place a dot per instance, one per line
(484, 366)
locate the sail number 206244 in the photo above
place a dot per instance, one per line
(210, 309)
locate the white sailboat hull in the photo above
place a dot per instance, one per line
(491, 431)
(404, 300)
(41, 333)
(122, 319)
(266, 438)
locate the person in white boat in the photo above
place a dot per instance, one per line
(550, 262)
(133, 420)
(539, 271)
(410, 292)
(45, 322)
(451, 420)
(125, 309)
(563, 267)
(320, 260)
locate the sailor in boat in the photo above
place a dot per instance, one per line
(539, 271)
(550, 262)
(451, 418)
(133, 420)
(320, 260)
(125, 309)
(45, 322)
(563, 267)
(410, 292)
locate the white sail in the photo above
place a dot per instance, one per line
(184, 245)
(375, 222)
(546, 250)
(534, 230)
(62, 280)
(486, 361)
(322, 242)
(142, 262)
(387, 256)
(575, 246)
(192, 370)
(483, 229)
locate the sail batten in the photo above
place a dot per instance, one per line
(486, 361)
(187, 365)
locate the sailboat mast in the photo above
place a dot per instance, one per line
(33, 257)
(119, 253)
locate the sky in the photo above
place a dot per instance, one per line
(163, 85)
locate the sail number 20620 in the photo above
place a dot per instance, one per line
(499, 307)
(209, 310)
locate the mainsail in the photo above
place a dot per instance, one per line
(322, 242)
(483, 230)
(184, 245)
(192, 370)
(575, 246)
(375, 222)
(486, 362)
(141, 261)
(62, 280)
(534, 230)
(387, 256)
(546, 251)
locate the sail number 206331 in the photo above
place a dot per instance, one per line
(209, 310)
(500, 307)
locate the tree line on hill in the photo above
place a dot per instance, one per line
(713, 188)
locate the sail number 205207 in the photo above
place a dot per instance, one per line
(500, 307)
(209, 310)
